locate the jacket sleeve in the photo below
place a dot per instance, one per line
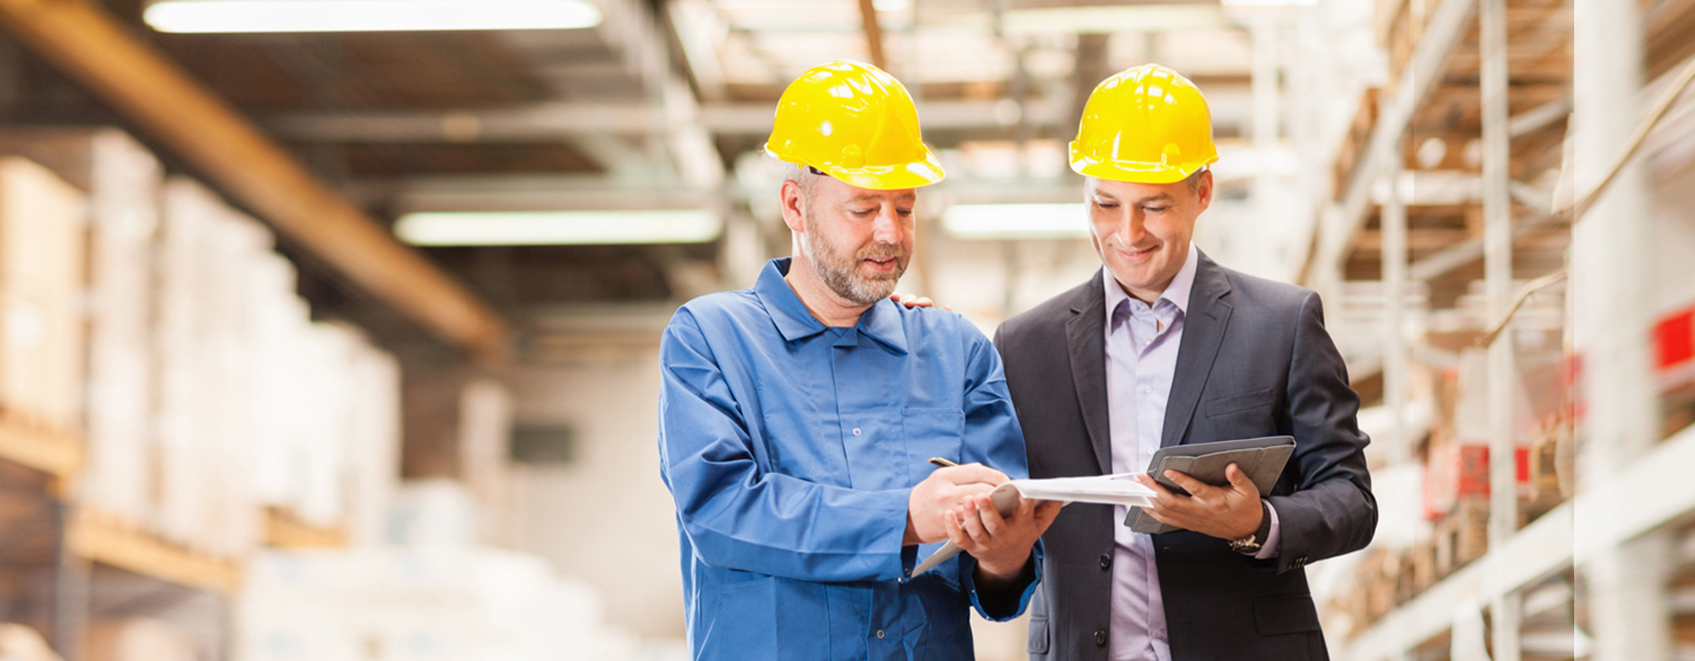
(737, 515)
(1332, 511)
(993, 437)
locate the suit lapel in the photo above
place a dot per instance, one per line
(1203, 332)
(1086, 342)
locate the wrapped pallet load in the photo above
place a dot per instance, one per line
(206, 376)
(121, 180)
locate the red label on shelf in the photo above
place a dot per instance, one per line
(1674, 339)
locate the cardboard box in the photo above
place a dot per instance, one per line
(121, 180)
(138, 640)
(42, 253)
(21, 643)
(1463, 535)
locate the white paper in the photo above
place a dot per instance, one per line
(1116, 489)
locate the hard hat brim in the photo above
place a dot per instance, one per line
(915, 174)
(1137, 172)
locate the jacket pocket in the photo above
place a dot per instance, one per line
(1238, 403)
(932, 433)
(1038, 636)
(1294, 613)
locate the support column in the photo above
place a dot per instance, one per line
(1265, 127)
(1506, 608)
(1613, 312)
(71, 576)
(1393, 218)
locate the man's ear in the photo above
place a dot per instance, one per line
(794, 207)
(1203, 190)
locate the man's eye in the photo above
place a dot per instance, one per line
(862, 212)
(1107, 205)
(904, 212)
(1156, 209)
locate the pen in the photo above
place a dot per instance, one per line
(944, 463)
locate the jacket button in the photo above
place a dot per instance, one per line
(1100, 637)
(1106, 561)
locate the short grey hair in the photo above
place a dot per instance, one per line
(804, 178)
(1194, 180)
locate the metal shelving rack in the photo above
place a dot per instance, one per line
(1607, 552)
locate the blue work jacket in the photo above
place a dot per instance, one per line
(791, 449)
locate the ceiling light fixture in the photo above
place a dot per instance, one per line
(226, 16)
(1016, 221)
(555, 228)
(1270, 3)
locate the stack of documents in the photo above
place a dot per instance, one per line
(1116, 489)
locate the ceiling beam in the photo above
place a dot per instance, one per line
(95, 48)
(557, 121)
(873, 33)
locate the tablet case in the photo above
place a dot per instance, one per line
(1261, 458)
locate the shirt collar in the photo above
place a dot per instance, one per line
(1177, 292)
(881, 322)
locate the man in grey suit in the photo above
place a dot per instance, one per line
(1166, 347)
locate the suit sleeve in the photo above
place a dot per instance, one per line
(1331, 511)
(741, 517)
(993, 437)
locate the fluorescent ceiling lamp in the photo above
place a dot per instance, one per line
(1109, 19)
(220, 16)
(1269, 3)
(552, 228)
(1016, 221)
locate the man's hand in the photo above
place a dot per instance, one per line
(944, 490)
(1231, 511)
(1001, 545)
(912, 301)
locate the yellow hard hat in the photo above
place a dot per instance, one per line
(853, 122)
(1146, 125)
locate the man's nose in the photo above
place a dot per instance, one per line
(1130, 228)
(887, 227)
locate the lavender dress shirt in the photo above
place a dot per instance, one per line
(1141, 357)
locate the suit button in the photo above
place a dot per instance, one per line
(1100, 637)
(1106, 561)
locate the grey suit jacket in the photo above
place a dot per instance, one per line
(1255, 360)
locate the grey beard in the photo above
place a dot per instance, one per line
(844, 278)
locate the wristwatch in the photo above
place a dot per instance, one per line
(1251, 544)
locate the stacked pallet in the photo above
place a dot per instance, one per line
(211, 400)
(260, 406)
(41, 282)
(121, 180)
(434, 595)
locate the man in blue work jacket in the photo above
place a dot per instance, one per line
(796, 418)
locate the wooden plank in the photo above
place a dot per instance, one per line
(96, 49)
(110, 540)
(873, 33)
(284, 531)
(34, 445)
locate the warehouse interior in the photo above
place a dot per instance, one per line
(339, 341)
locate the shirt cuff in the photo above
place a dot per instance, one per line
(1268, 550)
(999, 607)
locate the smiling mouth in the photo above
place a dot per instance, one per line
(1133, 254)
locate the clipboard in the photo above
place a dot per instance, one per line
(1119, 489)
(1262, 459)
